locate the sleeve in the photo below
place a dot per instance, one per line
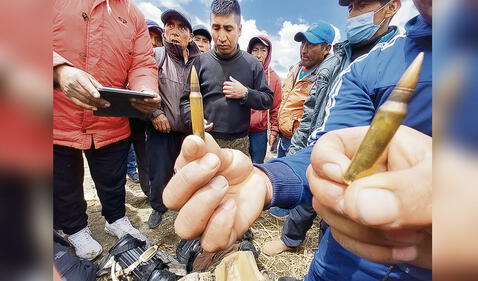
(274, 111)
(350, 103)
(288, 177)
(260, 97)
(299, 139)
(143, 73)
(59, 60)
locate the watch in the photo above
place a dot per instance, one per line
(245, 95)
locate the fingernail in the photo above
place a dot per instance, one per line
(405, 254)
(94, 109)
(219, 183)
(209, 161)
(333, 171)
(107, 104)
(230, 204)
(377, 206)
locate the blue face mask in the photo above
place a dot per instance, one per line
(361, 28)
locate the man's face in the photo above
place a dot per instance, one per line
(203, 43)
(360, 7)
(312, 54)
(425, 9)
(225, 33)
(177, 32)
(260, 51)
(156, 39)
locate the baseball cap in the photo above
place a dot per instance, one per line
(154, 26)
(172, 13)
(319, 32)
(202, 30)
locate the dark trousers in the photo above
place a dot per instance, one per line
(138, 139)
(297, 224)
(163, 149)
(108, 170)
(258, 146)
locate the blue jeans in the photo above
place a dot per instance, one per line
(284, 144)
(333, 262)
(258, 146)
(132, 165)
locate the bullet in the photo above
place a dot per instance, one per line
(195, 100)
(385, 124)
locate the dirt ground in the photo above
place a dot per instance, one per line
(292, 264)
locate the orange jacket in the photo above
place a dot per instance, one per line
(294, 94)
(113, 45)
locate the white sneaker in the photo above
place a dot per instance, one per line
(122, 227)
(85, 246)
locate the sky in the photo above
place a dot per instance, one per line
(280, 20)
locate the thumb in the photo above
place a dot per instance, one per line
(392, 199)
(232, 79)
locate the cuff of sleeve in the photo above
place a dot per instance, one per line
(156, 113)
(59, 60)
(244, 99)
(286, 186)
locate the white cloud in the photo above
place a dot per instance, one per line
(150, 11)
(174, 4)
(406, 12)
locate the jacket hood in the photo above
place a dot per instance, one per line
(262, 39)
(417, 27)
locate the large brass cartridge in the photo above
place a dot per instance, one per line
(195, 100)
(385, 124)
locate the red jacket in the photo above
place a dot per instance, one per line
(114, 47)
(259, 118)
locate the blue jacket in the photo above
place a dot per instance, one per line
(357, 94)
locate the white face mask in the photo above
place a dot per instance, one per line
(362, 28)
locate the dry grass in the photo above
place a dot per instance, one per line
(293, 264)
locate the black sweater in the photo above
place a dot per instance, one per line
(231, 117)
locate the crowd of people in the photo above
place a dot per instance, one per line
(377, 228)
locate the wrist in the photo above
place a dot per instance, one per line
(267, 185)
(57, 71)
(245, 94)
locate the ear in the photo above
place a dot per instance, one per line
(328, 47)
(240, 30)
(393, 8)
(191, 36)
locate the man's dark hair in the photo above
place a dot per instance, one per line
(226, 7)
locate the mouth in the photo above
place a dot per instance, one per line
(223, 46)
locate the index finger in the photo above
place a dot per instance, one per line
(192, 177)
(89, 84)
(333, 152)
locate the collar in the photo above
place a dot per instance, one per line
(417, 28)
(230, 57)
(176, 51)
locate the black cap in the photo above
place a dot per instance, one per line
(171, 13)
(344, 2)
(152, 25)
(202, 30)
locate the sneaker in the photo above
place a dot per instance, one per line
(122, 227)
(275, 247)
(155, 219)
(85, 246)
(134, 177)
(279, 213)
